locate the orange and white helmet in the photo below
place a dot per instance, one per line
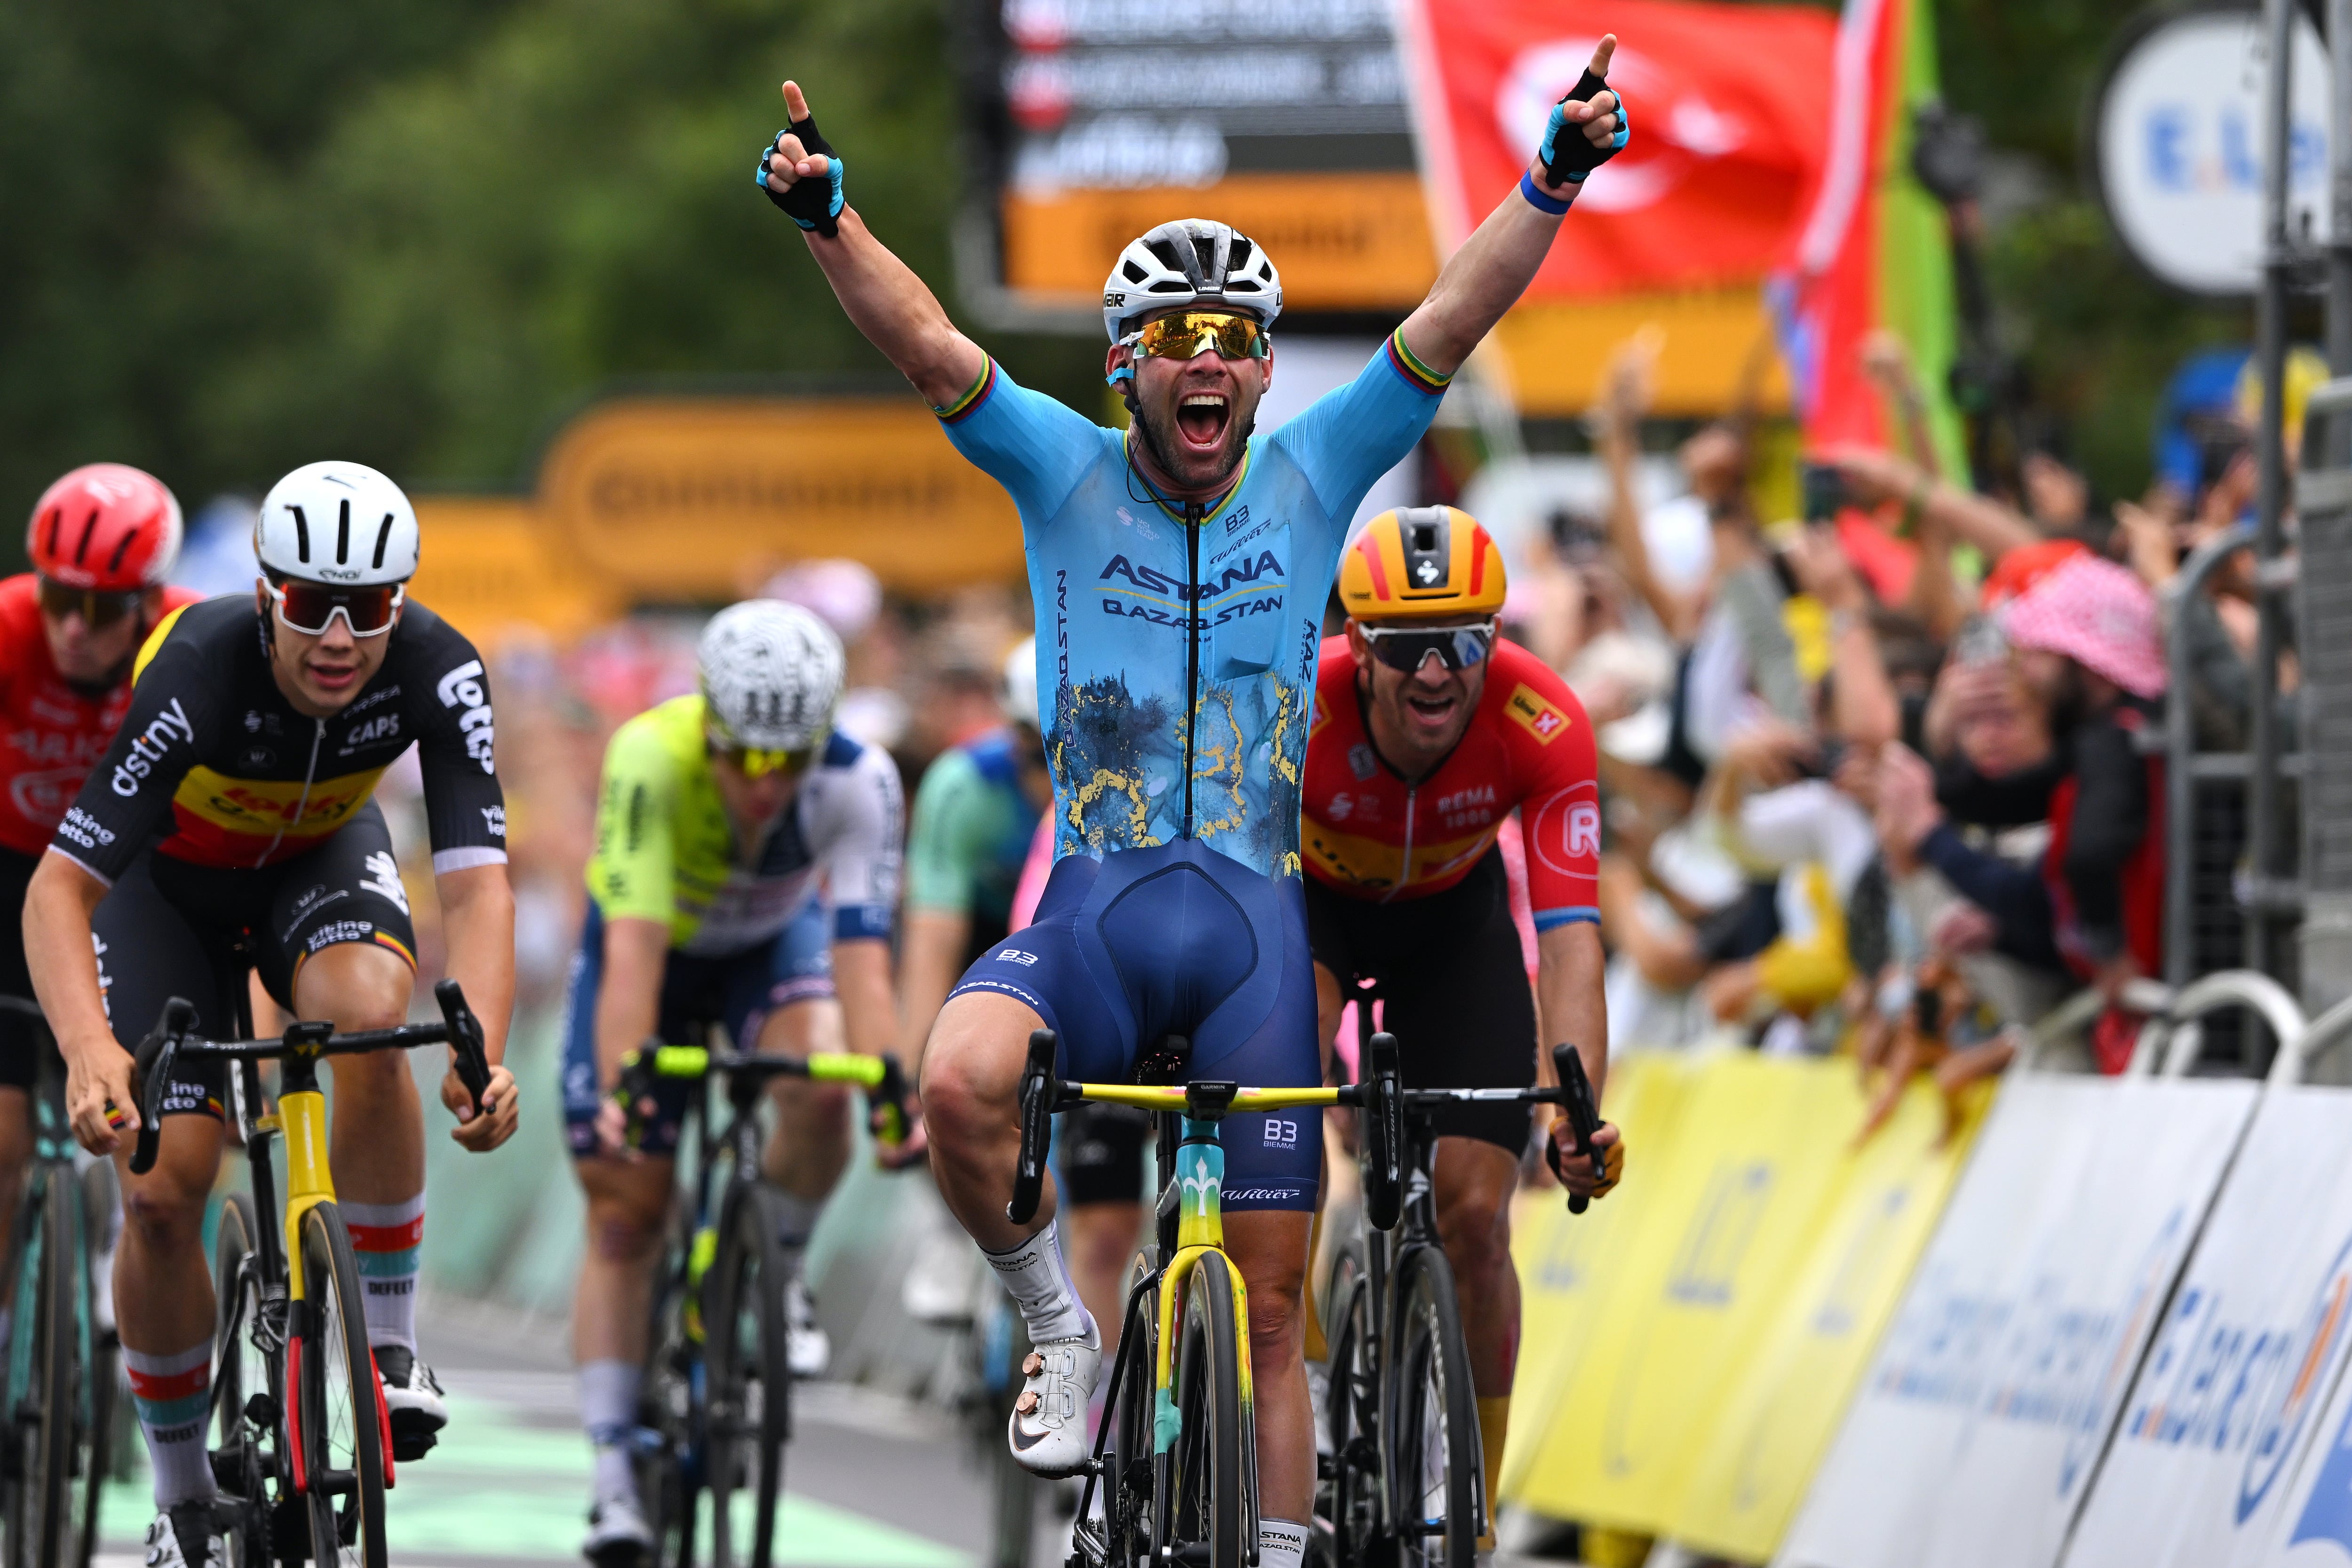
(1422, 563)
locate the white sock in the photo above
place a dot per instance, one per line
(388, 1238)
(1280, 1544)
(1039, 1282)
(796, 1217)
(608, 1408)
(174, 1393)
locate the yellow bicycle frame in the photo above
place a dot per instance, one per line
(301, 1117)
(1200, 1229)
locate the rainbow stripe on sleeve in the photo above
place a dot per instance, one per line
(1416, 374)
(975, 395)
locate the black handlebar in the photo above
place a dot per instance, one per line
(469, 1057)
(154, 1059)
(1584, 1118)
(1382, 1161)
(1038, 1092)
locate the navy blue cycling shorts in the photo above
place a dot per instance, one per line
(739, 989)
(1179, 939)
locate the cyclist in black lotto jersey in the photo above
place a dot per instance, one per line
(232, 822)
(1179, 573)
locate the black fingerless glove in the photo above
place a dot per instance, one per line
(812, 203)
(1568, 154)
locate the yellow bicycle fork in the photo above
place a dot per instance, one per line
(301, 1118)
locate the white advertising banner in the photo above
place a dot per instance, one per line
(2215, 1429)
(1978, 1427)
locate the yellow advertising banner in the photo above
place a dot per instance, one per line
(1758, 1448)
(699, 498)
(1355, 240)
(487, 564)
(1714, 349)
(1686, 1362)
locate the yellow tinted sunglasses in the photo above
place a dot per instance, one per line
(1188, 334)
(758, 762)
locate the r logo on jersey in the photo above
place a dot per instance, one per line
(1531, 713)
(1584, 828)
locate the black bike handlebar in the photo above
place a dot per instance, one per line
(1383, 1155)
(170, 1039)
(1584, 1118)
(1038, 1093)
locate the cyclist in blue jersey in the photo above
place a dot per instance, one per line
(1179, 571)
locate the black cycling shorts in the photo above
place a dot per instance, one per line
(171, 929)
(16, 1033)
(1098, 1150)
(1455, 987)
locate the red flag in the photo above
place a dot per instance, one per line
(1730, 110)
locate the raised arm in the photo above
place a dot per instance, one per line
(897, 311)
(1494, 265)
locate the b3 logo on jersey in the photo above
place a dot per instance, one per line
(1281, 1135)
(1531, 713)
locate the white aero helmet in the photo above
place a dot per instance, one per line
(770, 674)
(1191, 261)
(1021, 685)
(341, 523)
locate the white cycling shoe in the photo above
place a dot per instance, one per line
(808, 1349)
(412, 1398)
(1048, 1426)
(177, 1528)
(618, 1536)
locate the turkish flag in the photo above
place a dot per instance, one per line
(1729, 106)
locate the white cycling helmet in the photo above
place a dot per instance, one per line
(770, 674)
(1191, 261)
(1020, 698)
(341, 523)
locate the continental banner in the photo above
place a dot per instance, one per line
(1977, 1431)
(2227, 1404)
(1690, 1353)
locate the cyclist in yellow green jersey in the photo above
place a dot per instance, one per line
(747, 865)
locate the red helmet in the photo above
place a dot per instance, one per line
(107, 527)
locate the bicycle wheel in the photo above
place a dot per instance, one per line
(667, 1470)
(99, 1199)
(1126, 1487)
(1351, 1498)
(999, 1342)
(51, 1425)
(1202, 1472)
(249, 1438)
(341, 1429)
(750, 1378)
(1433, 1430)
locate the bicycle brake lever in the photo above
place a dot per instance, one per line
(1037, 1094)
(154, 1061)
(1384, 1146)
(1584, 1118)
(472, 1060)
(887, 1100)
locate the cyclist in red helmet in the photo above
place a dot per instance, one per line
(102, 541)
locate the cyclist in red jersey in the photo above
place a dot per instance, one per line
(102, 541)
(1428, 733)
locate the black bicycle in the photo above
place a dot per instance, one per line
(715, 1412)
(60, 1364)
(1404, 1482)
(304, 1450)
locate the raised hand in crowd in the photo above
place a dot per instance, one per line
(1907, 811)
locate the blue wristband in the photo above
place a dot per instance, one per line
(1536, 199)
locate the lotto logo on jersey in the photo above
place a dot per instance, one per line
(1531, 713)
(461, 688)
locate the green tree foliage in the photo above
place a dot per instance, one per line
(415, 232)
(2097, 336)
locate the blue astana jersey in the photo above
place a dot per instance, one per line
(1176, 655)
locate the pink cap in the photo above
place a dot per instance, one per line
(2098, 615)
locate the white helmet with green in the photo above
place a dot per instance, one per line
(770, 674)
(1191, 261)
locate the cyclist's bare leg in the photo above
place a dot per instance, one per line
(1101, 1239)
(971, 1093)
(627, 1202)
(1269, 1247)
(163, 1299)
(810, 1146)
(16, 1148)
(1474, 1183)
(376, 1143)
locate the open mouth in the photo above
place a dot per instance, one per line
(334, 677)
(1200, 419)
(1430, 710)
